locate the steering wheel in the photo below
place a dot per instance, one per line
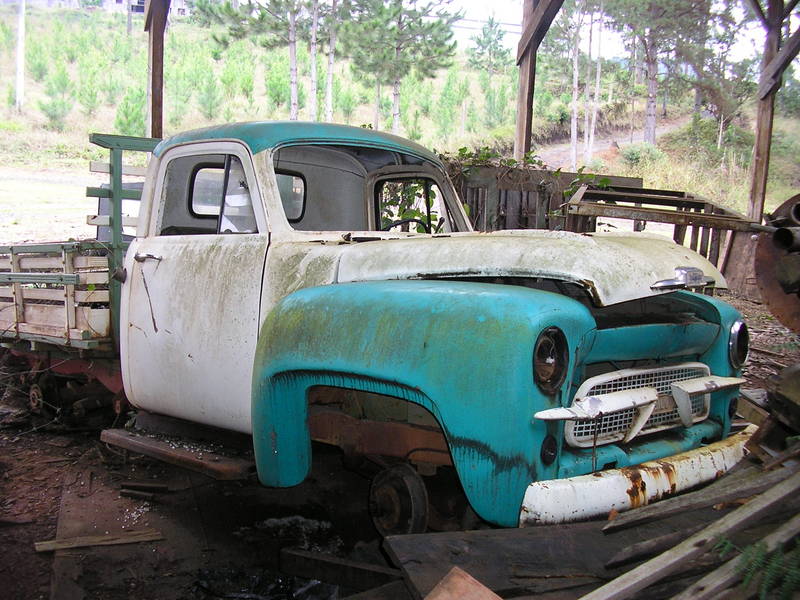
(425, 226)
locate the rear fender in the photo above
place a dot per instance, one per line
(461, 350)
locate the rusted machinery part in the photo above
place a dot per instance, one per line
(785, 307)
(398, 501)
(35, 399)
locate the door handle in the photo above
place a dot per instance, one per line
(143, 257)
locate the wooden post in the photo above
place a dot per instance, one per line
(527, 76)
(764, 114)
(155, 22)
(537, 15)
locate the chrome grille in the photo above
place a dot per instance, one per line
(614, 426)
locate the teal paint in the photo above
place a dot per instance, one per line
(261, 135)
(463, 351)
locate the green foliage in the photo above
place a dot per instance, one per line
(488, 54)
(497, 110)
(698, 141)
(209, 98)
(6, 37)
(787, 100)
(59, 90)
(425, 98)
(346, 102)
(180, 88)
(641, 154)
(88, 89)
(276, 79)
(37, 55)
(449, 99)
(111, 85)
(131, 113)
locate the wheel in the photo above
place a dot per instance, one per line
(398, 501)
(36, 399)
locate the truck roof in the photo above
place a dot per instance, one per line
(261, 135)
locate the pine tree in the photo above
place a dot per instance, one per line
(389, 39)
(488, 53)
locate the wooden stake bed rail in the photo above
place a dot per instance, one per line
(56, 293)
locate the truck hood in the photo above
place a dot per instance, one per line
(612, 267)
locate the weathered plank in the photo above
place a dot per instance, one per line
(396, 590)
(339, 571)
(729, 573)
(460, 585)
(125, 537)
(628, 584)
(741, 483)
(206, 462)
(650, 547)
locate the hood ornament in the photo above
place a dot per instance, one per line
(685, 278)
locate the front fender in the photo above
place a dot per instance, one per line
(462, 350)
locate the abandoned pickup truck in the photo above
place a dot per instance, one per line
(302, 282)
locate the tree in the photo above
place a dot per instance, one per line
(274, 22)
(656, 26)
(389, 39)
(19, 90)
(577, 19)
(488, 53)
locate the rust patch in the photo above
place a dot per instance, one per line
(638, 490)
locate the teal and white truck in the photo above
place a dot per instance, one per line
(304, 281)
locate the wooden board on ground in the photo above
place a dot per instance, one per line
(460, 585)
(124, 537)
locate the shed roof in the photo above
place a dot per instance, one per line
(260, 135)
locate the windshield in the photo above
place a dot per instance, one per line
(344, 188)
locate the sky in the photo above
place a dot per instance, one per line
(509, 14)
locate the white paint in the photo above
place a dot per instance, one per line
(596, 494)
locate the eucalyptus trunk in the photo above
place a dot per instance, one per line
(596, 100)
(293, 105)
(19, 90)
(312, 104)
(376, 121)
(396, 107)
(573, 125)
(586, 106)
(331, 62)
(652, 95)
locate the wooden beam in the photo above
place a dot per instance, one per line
(764, 116)
(535, 28)
(787, 11)
(125, 537)
(156, 12)
(527, 76)
(772, 73)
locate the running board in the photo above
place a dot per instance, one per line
(194, 456)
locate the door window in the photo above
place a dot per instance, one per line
(206, 194)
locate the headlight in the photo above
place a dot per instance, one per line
(550, 360)
(739, 344)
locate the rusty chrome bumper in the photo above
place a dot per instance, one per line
(596, 494)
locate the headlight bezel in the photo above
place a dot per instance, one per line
(738, 344)
(550, 360)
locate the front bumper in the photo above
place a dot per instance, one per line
(596, 494)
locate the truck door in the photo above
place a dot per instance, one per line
(190, 308)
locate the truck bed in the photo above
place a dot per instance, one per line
(56, 293)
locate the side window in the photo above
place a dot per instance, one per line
(410, 204)
(292, 189)
(237, 210)
(206, 194)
